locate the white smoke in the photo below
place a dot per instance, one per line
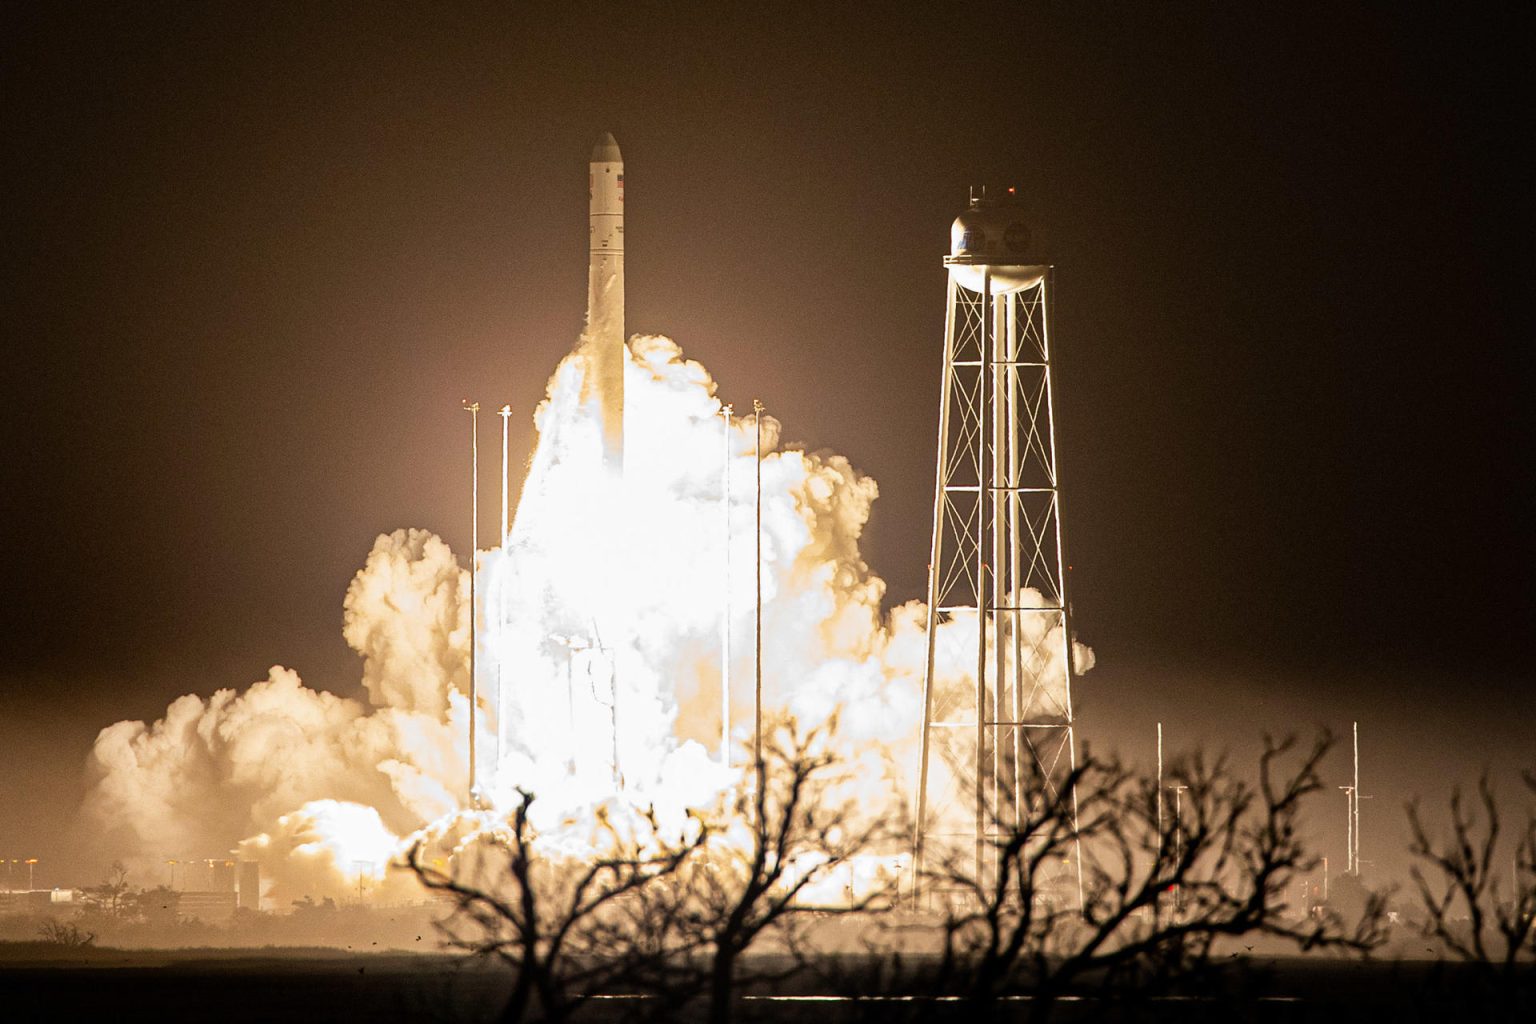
(280, 762)
(608, 591)
(659, 605)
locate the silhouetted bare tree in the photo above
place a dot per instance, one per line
(112, 898)
(1464, 903)
(675, 919)
(66, 934)
(808, 817)
(551, 915)
(1154, 899)
(671, 918)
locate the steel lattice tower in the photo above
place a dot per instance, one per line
(997, 694)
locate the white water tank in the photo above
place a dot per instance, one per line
(992, 236)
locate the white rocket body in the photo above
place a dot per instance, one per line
(605, 296)
(604, 399)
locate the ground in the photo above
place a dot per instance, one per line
(43, 983)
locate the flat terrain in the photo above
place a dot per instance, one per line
(42, 983)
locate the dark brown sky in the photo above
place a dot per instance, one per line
(255, 254)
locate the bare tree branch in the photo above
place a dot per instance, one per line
(1155, 901)
(1466, 905)
(558, 920)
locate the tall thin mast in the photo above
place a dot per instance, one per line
(725, 600)
(1178, 871)
(1352, 810)
(474, 562)
(506, 415)
(1349, 829)
(501, 602)
(757, 658)
(1358, 797)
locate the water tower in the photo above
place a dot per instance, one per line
(997, 687)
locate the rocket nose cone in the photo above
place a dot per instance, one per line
(606, 151)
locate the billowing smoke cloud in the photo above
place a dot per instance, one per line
(639, 567)
(319, 784)
(600, 637)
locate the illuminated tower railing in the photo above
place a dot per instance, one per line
(997, 692)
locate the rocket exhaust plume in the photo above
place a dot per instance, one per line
(312, 783)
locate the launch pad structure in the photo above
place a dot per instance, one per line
(997, 682)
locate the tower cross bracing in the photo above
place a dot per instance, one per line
(997, 701)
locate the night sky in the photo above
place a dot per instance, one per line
(256, 254)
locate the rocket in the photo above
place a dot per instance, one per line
(604, 338)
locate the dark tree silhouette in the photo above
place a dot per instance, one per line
(674, 919)
(113, 897)
(1154, 900)
(159, 906)
(1465, 906)
(66, 934)
(807, 817)
(556, 919)
(670, 918)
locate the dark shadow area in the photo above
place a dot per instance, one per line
(310, 985)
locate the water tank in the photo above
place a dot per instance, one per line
(994, 235)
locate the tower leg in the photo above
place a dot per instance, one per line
(935, 557)
(983, 488)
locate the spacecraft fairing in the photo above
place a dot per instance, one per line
(605, 295)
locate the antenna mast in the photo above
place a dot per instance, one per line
(474, 561)
(725, 598)
(1353, 796)
(757, 659)
(501, 601)
(506, 414)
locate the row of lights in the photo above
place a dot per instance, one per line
(30, 862)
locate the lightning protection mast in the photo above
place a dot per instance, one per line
(997, 731)
(473, 408)
(725, 589)
(505, 412)
(1352, 798)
